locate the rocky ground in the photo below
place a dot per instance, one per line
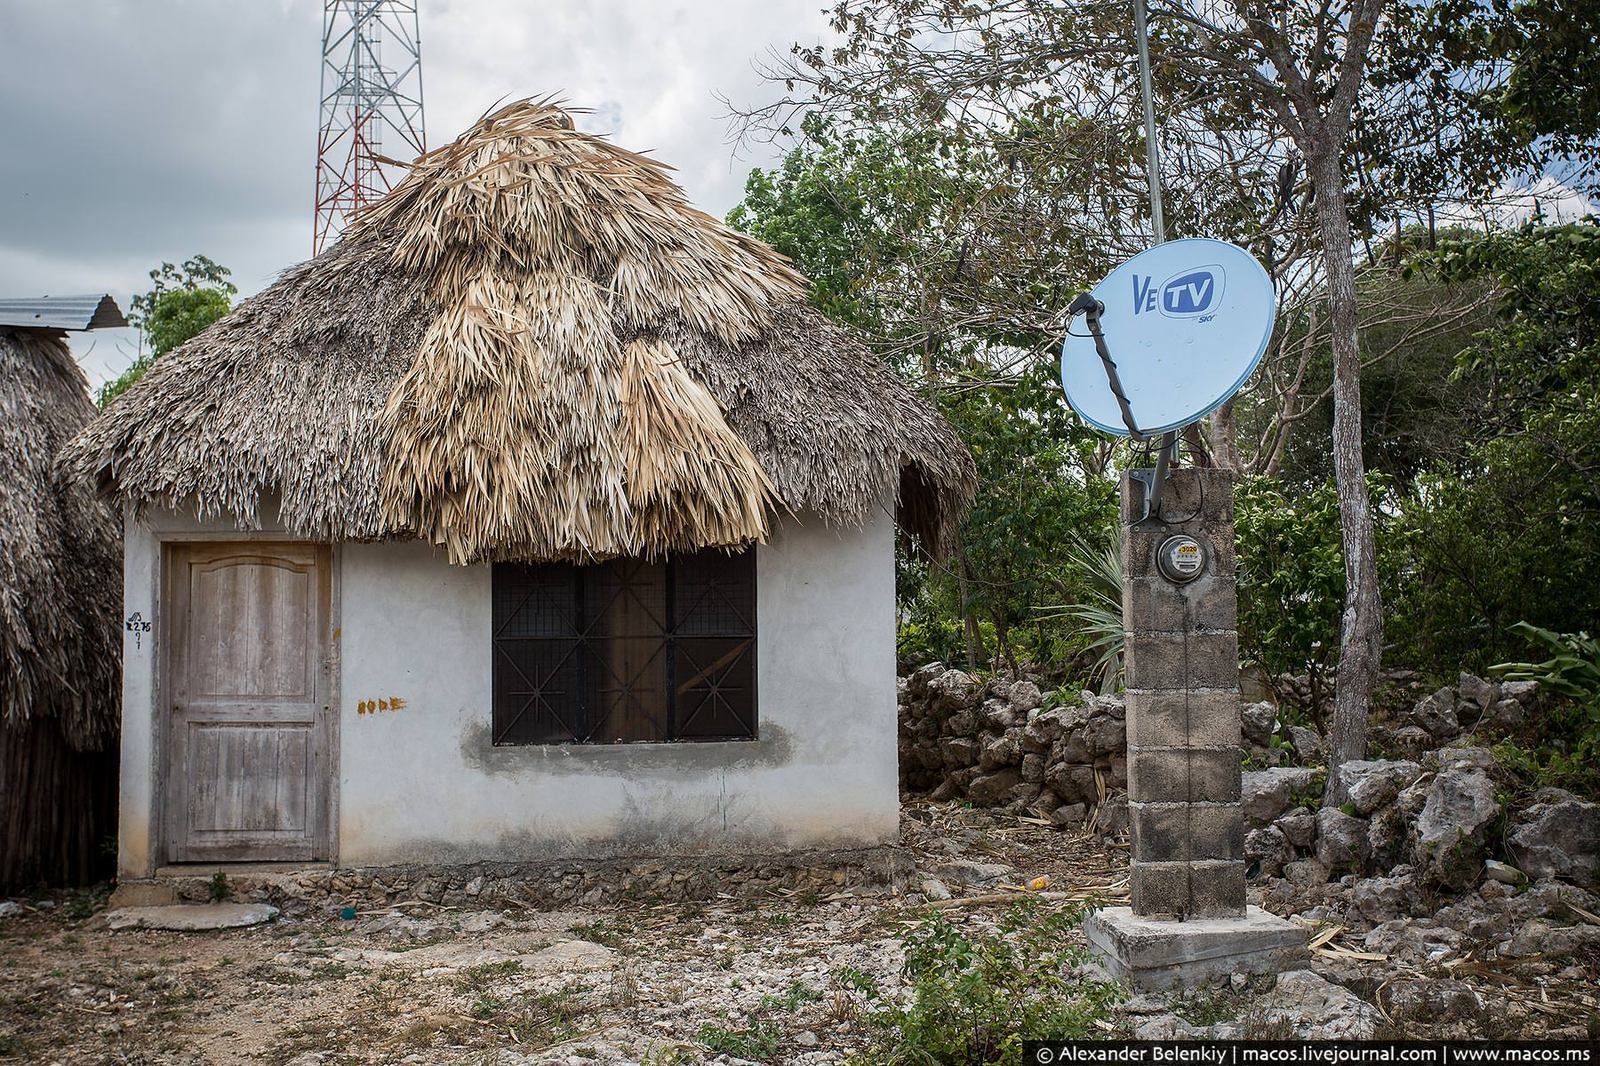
(775, 977)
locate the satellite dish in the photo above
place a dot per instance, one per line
(1185, 324)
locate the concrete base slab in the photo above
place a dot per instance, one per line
(143, 894)
(192, 917)
(1161, 953)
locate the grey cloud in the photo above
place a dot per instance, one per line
(149, 131)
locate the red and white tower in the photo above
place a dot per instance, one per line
(371, 106)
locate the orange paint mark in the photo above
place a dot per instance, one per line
(378, 706)
(397, 703)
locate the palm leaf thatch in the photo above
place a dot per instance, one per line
(533, 348)
(60, 657)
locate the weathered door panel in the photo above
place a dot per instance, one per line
(247, 768)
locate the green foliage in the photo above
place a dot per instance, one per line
(974, 997)
(870, 219)
(933, 634)
(1549, 54)
(181, 314)
(1574, 669)
(756, 1041)
(1291, 575)
(219, 888)
(1571, 732)
(1034, 501)
(182, 301)
(1098, 613)
(1539, 766)
(1511, 532)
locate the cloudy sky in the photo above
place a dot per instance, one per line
(139, 131)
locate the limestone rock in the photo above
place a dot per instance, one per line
(1003, 751)
(192, 917)
(1474, 690)
(1374, 783)
(1459, 755)
(959, 751)
(1437, 714)
(1306, 873)
(1451, 830)
(1307, 744)
(1105, 735)
(921, 678)
(1269, 848)
(999, 715)
(1540, 936)
(1025, 696)
(1383, 899)
(1524, 692)
(1508, 714)
(991, 790)
(1558, 835)
(1266, 794)
(1431, 1001)
(1386, 838)
(1341, 840)
(953, 690)
(1259, 721)
(1314, 1008)
(1073, 782)
(1299, 827)
(1033, 767)
(968, 872)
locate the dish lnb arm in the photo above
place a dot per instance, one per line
(1091, 310)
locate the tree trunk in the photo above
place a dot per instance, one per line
(1223, 431)
(969, 617)
(1361, 636)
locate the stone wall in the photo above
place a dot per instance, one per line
(1429, 822)
(1000, 744)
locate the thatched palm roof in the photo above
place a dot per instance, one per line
(533, 348)
(60, 554)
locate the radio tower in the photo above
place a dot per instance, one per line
(371, 106)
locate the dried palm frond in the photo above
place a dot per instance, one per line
(60, 555)
(533, 348)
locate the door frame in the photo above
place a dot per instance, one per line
(168, 544)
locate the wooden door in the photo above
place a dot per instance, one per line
(248, 767)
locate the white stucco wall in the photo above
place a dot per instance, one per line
(425, 784)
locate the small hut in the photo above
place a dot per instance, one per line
(60, 590)
(540, 516)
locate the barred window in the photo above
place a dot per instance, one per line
(626, 650)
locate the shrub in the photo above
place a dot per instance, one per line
(973, 998)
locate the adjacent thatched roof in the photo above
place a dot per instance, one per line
(533, 348)
(60, 553)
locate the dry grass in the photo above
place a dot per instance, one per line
(533, 348)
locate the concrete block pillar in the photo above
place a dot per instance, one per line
(1188, 922)
(1183, 704)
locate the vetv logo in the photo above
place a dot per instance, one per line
(1192, 294)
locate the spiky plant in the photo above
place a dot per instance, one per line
(1095, 570)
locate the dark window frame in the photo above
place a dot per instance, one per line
(561, 630)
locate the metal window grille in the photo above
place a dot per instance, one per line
(625, 651)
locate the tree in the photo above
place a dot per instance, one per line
(1349, 90)
(180, 303)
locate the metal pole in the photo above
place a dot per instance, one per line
(1158, 221)
(1152, 155)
